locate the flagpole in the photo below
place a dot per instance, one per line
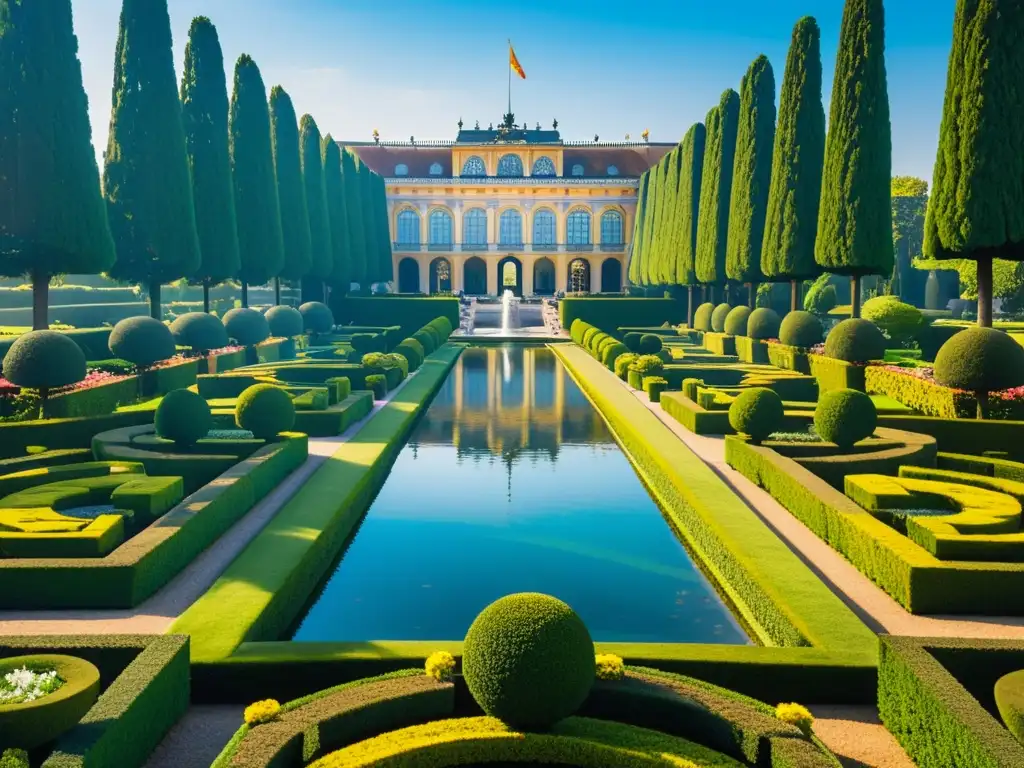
(510, 76)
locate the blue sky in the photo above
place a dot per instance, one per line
(599, 67)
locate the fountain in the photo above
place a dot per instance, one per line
(509, 311)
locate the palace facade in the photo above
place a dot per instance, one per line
(510, 208)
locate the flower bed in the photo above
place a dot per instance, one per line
(915, 386)
(23, 685)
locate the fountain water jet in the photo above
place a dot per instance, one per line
(509, 311)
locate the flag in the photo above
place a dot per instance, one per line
(514, 62)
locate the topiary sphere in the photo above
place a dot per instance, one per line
(246, 326)
(845, 417)
(284, 322)
(718, 317)
(44, 360)
(142, 341)
(632, 341)
(763, 324)
(528, 660)
(980, 360)
(317, 317)
(183, 416)
(896, 318)
(200, 331)
(736, 321)
(856, 341)
(702, 317)
(265, 410)
(757, 412)
(800, 329)
(650, 344)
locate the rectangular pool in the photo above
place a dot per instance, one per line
(512, 482)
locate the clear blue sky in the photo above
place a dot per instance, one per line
(599, 67)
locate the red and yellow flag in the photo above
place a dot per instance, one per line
(514, 62)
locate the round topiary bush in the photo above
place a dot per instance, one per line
(200, 331)
(757, 412)
(650, 344)
(856, 341)
(800, 329)
(528, 660)
(317, 317)
(285, 322)
(246, 326)
(980, 360)
(702, 317)
(718, 317)
(899, 321)
(141, 341)
(265, 410)
(763, 324)
(845, 417)
(44, 360)
(736, 321)
(648, 365)
(183, 416)
(622, 364)
(632, 341)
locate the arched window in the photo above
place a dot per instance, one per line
(435, 169)
(577, 170)
(510, 229)
(613, 170)
(474, 227)
(408, 228)
(578, 228)
(440, 229)
(543, 166)
(401, 169)
(544, 229)
(510, 165)
(474, 166)
(611, 228)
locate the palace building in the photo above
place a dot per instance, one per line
(510, 208)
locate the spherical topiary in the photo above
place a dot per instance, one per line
(183, 416)
(622, 364)
(736, 321)
(650, 344)
(898, 320)
(845, 417)
(757, 412)
(528, 660)
(718, 317)
(648, 365)
(246, 326)
(265, 410)
(702, 317)
(141, 341)
(800, 329)
(200, 331)
(980, 360)
(632, 341)
(284, 322)
(763, 324)
(44, 360)
(317, 317)
(856, 341)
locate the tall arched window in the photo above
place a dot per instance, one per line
(577, 230)
(474, 227)
(577, 170)
(510, 165)
(544, 229)
(401, 169)
(613, 170)
(408, 228)
(435, 169)
(611, 228)
(474, 166)
(440, 229)
(543, 166)
(510, 229)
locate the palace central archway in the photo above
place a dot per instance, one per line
(510, 276)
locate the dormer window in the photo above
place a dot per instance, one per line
(577, 170)
(435, 169)
(613, 170)
(401, 169)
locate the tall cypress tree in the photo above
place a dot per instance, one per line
(654, 193)
(716, 189)
(855, 218)
(373, 261)
(337, 215)
(636, 241)
(976, 209)
(752, 176)
(52, 215)
(384, 231)
(665, 265)
(291, 190)
(787, 252)
(683, 238)
(252, 168)
(146, 180)
(316, 200)
(350, 170)
(204, 112)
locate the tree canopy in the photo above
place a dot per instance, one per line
(716, 189)
(291, 188)
(687, 207)
(334, 183)
(316, 197)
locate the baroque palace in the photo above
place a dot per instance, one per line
(510, 208)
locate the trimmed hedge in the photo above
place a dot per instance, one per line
(928, 397)
(788, 358)
(753, 351)
(17, 436)
(619, 312)
(720, 344)
(29, 725)
(410, 313)
(836, 374)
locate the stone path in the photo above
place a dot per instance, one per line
(197, 738)
(858, 738)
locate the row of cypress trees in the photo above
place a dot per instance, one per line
(193, 185)
(747, 198)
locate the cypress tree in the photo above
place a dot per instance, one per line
(384, 230)
(648, 274)
(52, 215)
(855, 217)
(334, 183)
(665, 270)
(792, 221)
(683, 240)
(370, 218)
(976, 210)
(358, 261)
(252, 168)
(636, 241)
(204, 113)
(316, 200)
(146, 180)
(291, 190)
(716, 189)
(752, 176)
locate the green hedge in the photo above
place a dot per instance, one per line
(721, 344)
(94, 401)
(67, 295)
(225, 361)
(788, 358)
(336, 418)
(836, 374)
(925, 396)
(982, 465)
(411, 313)
(93, 342)
(77, 315)
(754, 351)
(17, 436)
(970, 436)
(619, 312)
(883, 457)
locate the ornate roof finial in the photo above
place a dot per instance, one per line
(412, 139)
(538, 127)
(376, 136)
(460, 123)
(596, 138)
(490, 126)
(627, 137)
(554, 124)
(646, 135)
(477, 126)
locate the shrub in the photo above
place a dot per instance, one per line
(183, 416)
(611, 354)
(284, 322)
(412, 351)
(898, 320)
(588, 336)
(622, 364)
(44, 360)
(800, 329)
(980, 360)
(736, 321)
(367, 342)
(440, 666)
(378, 384)
(528, 660)
(261, 712)
(718, 316)
(246, 326)
(608, 666)
(576, 330)
(763, 324)
(821, 297)
(199, 331)
(426, 340)
(142, 341)
(797, 715)
(648, 365)
(317, 317)
(14, 758)
(650, 344)
(632, 341)
(757, 412)
(856, 341)
(265, 410)
(702, 317)
(654, 386)
(399, 362)
(443, 326)
(845, 417)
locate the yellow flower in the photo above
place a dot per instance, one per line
(609, 667)
(797, 715)
(440, 666)
(261, 712)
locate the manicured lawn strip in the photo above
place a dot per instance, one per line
(17, 436)
(261, 592)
